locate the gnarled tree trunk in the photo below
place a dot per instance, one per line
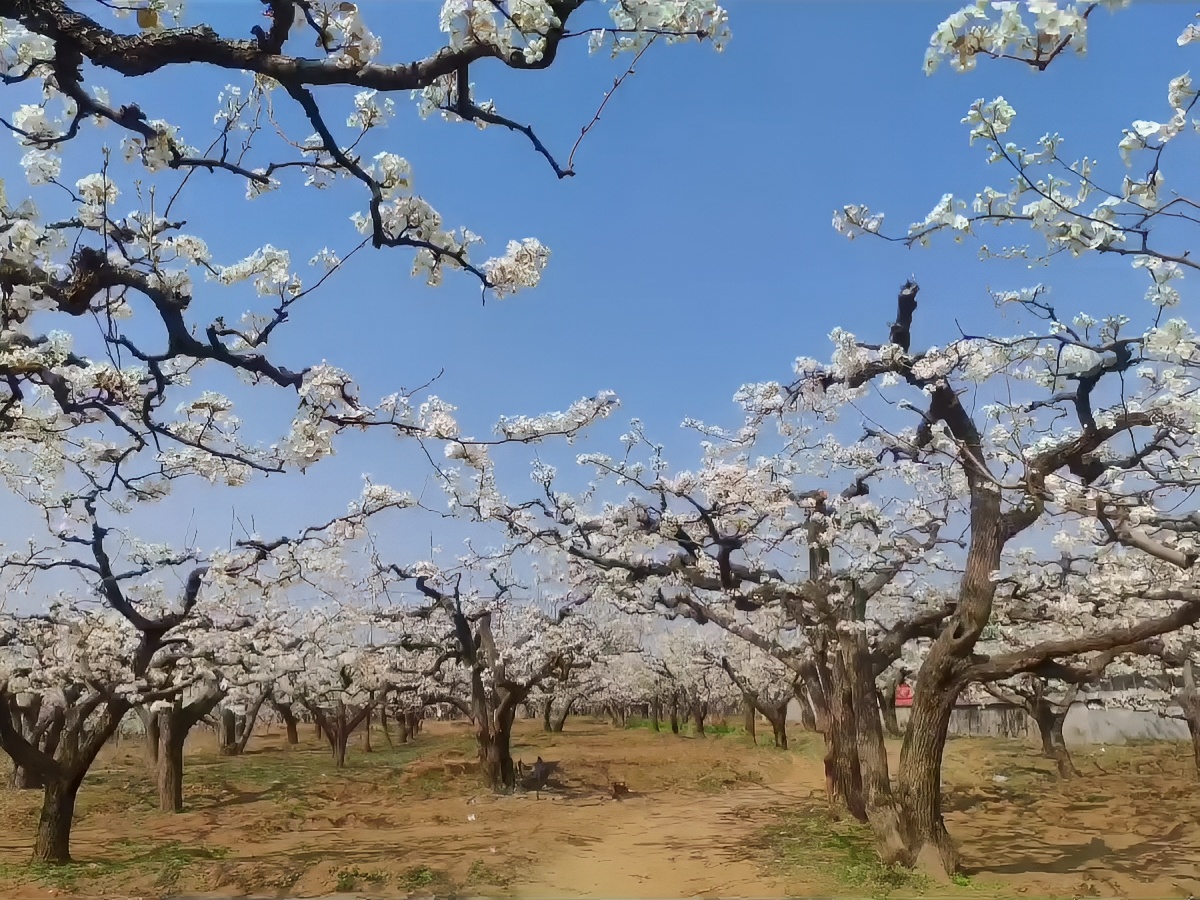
(52, 841)
(561, 719)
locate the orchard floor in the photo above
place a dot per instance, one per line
(712, 817)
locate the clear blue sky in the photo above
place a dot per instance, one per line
(693, 251)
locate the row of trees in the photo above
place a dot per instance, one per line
(997, 508)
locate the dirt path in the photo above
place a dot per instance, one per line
(643, 847)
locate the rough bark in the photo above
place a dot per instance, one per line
(1189, 701)
(546, 710)
(887, 705)
(674, 714)
(284, 710)
(749, 716)
(149, 722)
(808, 720)
(172, 731)
(366, 727)
(699, 713)
(816, 694)
(941, 677)
(886, 822)
(561, 719)
(843, 773)
(779, 731)
(656, 714)
(52, 842)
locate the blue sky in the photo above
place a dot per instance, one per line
(693, 251)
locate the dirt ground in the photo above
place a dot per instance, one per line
(712, 817)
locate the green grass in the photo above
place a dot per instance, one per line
(481, 873)
(351, 879)
(808, 841)
(419, 877)
(168, 860)
(664, 727)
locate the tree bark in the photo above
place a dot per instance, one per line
(495, 749)
(886, 822)
(887, 706)
(366, 727)
(942, 675)
(817, 696)
(1050, 719)
(289, 722)
(1189, 701)
(546, 709)
(748, 717)
(172, 731)
(699, 712)
(808, 721)
(779, 730)
(227, 732)
(843, 773)
(402, 721)
(674, 714)
(52, 843)
(149, 722)
(561, 719)
(655, 714)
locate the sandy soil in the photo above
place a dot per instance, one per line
(709, 817)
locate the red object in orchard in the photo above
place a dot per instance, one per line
(903, 695)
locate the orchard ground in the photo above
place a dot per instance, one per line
(708, 816)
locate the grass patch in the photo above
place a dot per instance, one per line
(841, 852)
(430, 783)
(481, 873)
(352, 879)
(167, 860)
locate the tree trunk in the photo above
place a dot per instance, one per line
(674, 714)
(808, 721)
(1189, 701)
(366, 727)
(52, 843)
(338, 744)
(24, 779)
(655, 713)
(1194, 730)
(887, 706)
(546, 709)
(748, 717)
(779, 729)
(150, 731)
(815, 694)
(402, 721)
(699, 711)
(1050, 719)
(843, 773)
(940, 679)
(919, 787)
(885, 820)
(227, 733)
(557, 725)
(289, 723)
(169, 771)
(495, 754)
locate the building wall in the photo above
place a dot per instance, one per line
(1084, 725)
